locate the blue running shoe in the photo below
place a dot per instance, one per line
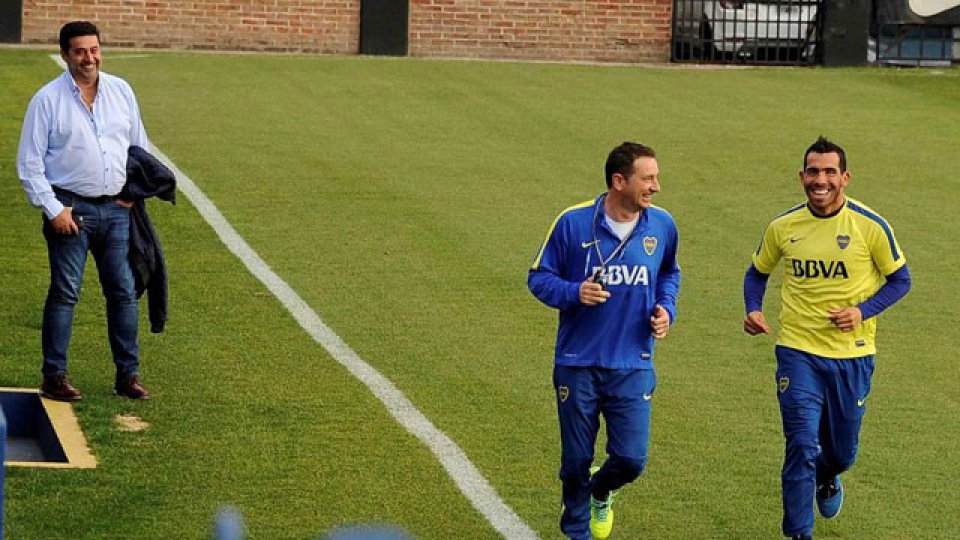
(830, 498)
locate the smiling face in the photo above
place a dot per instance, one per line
(644, 182)
(83, 58)
(635, 191)
(823, 181)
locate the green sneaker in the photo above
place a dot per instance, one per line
(601, 513)
(601, 517)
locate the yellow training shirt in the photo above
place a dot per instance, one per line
(829, 262)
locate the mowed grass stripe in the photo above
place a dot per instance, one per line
(417, 189)
(248, 409)
(404, 201)
(457, 464)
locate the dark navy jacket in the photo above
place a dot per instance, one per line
(148, 177)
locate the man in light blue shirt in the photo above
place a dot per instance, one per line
(72, 164)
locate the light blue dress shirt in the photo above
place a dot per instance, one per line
(65, 145)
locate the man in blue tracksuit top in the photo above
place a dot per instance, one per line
(610, 266)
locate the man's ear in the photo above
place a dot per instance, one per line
(617, 181)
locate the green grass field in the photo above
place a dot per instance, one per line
(404, 200)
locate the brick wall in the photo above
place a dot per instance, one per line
(261, 25)
(580, 30)
(587, 30)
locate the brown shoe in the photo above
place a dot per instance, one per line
(58, 387)
(130, 387)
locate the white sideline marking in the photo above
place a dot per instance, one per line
(458, 466)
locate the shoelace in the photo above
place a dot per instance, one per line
(602, 508)
(601, 511)
(827, 491)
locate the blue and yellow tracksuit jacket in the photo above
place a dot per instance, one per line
(642, 274)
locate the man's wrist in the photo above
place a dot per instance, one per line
(53, 210)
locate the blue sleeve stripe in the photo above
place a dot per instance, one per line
(543, 246)
(880, 221)
(800, 206)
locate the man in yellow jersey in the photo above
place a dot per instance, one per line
(842, 267)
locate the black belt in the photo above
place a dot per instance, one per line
(103, 199)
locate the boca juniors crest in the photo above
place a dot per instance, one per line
(783, 384)
(843, 240)
(649, 244)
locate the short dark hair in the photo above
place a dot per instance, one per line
(622, 157)
(826, 146)
(76, 29)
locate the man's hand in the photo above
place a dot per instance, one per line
(846, 319)
(660, 322)
(63, 222)
(592, 293)
(755, 323)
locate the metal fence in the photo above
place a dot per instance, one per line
(914, 33)
(779, 32)
(899, 44)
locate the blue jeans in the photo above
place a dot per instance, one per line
(623, 397)
(104, 232)
(822, 403)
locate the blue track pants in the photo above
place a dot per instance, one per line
(623, 397)
(822, 402)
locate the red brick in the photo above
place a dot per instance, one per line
(599, 30)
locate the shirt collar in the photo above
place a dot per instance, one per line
(600, 214)
(831, 214)
(72, 83)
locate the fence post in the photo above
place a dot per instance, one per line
(845, 30)
(3, 463)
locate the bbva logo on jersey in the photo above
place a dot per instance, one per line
(814, 268)
(622, 274)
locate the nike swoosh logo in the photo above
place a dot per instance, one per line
(647, 397)
(927, 8)
(860, 402)
(585, 245)
(795, 240)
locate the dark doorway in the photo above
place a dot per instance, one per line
(383, 27)
(11, 20)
